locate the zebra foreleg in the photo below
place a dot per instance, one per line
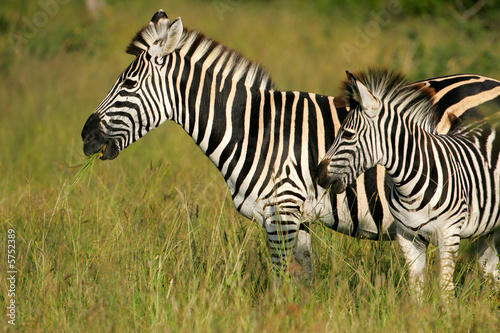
(447, 250)
(488, 256)
(289, 245)
(302, 252)
(414, 252)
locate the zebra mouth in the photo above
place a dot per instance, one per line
(94, 140)
(334, 182)
(324, 178)
(338, 186)
(110, 150)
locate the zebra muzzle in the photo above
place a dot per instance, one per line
(94, 140)
(328, 179)
(323, 178)
(110, 150)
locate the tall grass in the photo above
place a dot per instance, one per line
(151, 240)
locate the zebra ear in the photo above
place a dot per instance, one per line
(173, 36)
(169, 38)
(370, 104)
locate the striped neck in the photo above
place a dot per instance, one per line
(212, 88)
(403, 149)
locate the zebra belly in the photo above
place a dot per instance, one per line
(425, 221)
(465, 218)
(477, 224)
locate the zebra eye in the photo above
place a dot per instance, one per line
(128, 83)
(349, 134)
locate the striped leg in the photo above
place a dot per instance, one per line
(488, 259)
(414, 252)
(302, 253)
(283, 234)
(447, 250)
(281, 244)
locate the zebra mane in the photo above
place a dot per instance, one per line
(194, 43)
(415, 100)
(149, 34)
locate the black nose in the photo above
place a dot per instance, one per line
(90, 126)
(93, 138)
(322, 172)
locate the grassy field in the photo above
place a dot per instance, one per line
(151, 241)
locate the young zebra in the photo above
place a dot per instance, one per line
(446, 187)
(265, 142)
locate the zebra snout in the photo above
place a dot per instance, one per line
(92, 136)
(324, 178)
(337, 185)
(328, 179)
(94, 140)
(91, 126)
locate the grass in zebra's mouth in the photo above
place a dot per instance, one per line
(86, 168)
(101, 152)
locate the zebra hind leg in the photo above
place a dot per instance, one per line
(488, 257)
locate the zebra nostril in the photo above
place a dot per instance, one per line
(91, 126)
(322, 173)
(92, 136)
(88, 138)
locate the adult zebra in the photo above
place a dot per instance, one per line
(265, 142)
(446, 187)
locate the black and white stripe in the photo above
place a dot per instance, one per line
(446, 187)
(265, 142)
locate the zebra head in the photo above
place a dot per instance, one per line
(356, 147)
(132, 108)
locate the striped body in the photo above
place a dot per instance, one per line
(266, 143)
(446, 187)
(453, 178)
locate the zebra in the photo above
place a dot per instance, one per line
(445, 187)
(266, 143)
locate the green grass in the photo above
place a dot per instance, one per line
(151, 241)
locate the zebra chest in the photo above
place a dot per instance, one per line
(247, 204)
(416, 220)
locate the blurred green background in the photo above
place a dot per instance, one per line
(151, 241)
(58, 58)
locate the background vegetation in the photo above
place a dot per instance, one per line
(151, 240)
